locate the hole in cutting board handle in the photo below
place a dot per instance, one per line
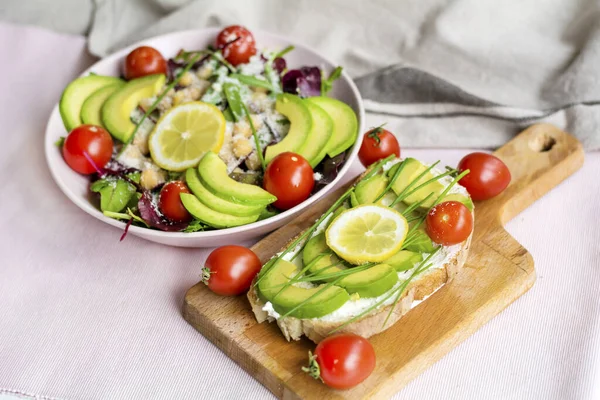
(542, 142)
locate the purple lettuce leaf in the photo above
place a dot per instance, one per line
(305, 82)
(279, 65)
(153, 217)
(329, 168)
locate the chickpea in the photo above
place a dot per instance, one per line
(179, 97)
(242, 128)
(149, 179)
(252, 162)
(241, 147)
(204, 72)
(185, 80)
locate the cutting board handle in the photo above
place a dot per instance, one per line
(539, 158)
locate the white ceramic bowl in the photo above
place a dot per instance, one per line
(75, 186)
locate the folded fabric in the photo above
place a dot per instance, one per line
(443, 73)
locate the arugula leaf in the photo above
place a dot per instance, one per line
(228, 115)
(234, 99)
(267, 213)
(327, 83)
(115, 194)
(254, 81)
(59, 143)
(195, 226)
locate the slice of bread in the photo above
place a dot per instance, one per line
(372, 323)
(420, 288)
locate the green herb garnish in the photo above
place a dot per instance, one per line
(254, 81)
(327, 83)
(283, 52)
(255, 135)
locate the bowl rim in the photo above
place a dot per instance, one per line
(87, 206)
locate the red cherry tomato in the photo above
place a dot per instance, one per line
(290, 178)
(488, 175)
(169, 202)
(144, 61)
(344, 360)
(449, 223)
(92, 140)
(240, 51)
(229, 270)
(377, 144)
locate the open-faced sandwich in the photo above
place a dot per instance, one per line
(373, 256)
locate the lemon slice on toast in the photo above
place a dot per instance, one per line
(367, 233)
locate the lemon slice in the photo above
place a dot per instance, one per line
(367, 233)
(185, 133)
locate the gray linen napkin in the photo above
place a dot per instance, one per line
(463, 73)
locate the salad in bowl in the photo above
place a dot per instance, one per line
(223, 138)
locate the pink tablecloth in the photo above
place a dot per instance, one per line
(83, 316)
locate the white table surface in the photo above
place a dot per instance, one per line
(83, 316)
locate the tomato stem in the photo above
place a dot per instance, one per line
(206, 272)
(313, 368)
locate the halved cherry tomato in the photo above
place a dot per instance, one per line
(229, 270)
(343, 360)
(144, 60)
(240, 51)
(488, 176)
(92, 140)
(290, 178)
(377, 144)
(449, 223)
(169, 202)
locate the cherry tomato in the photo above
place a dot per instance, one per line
(144, 60)
(169, 202)
(290, 178)
(449, 223)
(240, 51)
(92, 140)
(488, 175)
(377, 144)
(344, 360)
(229, 270)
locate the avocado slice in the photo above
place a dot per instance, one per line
(314, 148)
(75, 95)
(213, 174)
(92, 106)
(368, 190)
(270, 289)
(320, 257)
(413, 168)
(301, 123)
(211, 217)
(466, 200)
(404, 260)
(345, 124)
(371, 282)
(215, 202)
(315, 246)
(117, 109)
(422, 242)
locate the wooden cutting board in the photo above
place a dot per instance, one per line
(497, 272)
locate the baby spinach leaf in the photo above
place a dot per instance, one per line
(115, 194)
